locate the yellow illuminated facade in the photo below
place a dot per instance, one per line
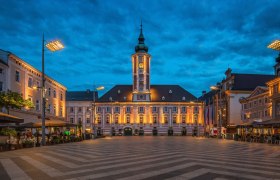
(19, 76)
(147, 109)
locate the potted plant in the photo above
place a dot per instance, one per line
(28, 143)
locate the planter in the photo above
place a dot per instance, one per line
(3, 139)
(27, 145)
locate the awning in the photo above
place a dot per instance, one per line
(270, 122)
(49, 123)
(6, 118)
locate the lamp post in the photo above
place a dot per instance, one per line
(93, 108)
(219, 88)
(52, 46)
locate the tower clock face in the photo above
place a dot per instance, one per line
(141, 65)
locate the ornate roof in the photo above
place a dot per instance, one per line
(159, 93)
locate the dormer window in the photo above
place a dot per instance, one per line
(183, 98)
(119, 91)
(124, 98)
(110, 98)
(170, 91)
(163, 98)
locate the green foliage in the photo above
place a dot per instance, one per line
(8, 132)
(14, 100)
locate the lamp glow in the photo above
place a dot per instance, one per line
(274, 45)
(54, 45)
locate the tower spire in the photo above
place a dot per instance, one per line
(141, 47)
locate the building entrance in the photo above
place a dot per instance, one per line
(127, 131)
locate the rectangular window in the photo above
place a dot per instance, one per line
(80, 109)
(127, 109)
(17, 76)
(165, 109)
(99, 120)
(183, 109)
(54, 109)
(127, 119)
(80, 120)
(49, 108)
(30, 82)
(165, 120)
(38, 85)
(141, 109)
(88, 109)
(37, 105)
(116, 119)
(141, 119)
(1, 86)
(88, 120)
(49, 91)
(275, 88)
(71, 109)
(196, 110)
(72, 120)
(154, 110)
(61, 97)
(155, 119)
(108, 109)
(61, 111)
(107, 119)
(117, 109)
(174, 109)
(174, 119)
(98, 109)
(54, 94)
(183, 119)
(265, 100)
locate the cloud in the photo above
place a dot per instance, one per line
(191, 42)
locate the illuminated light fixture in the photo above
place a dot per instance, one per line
(214, 88)
(54, 45)
(274, 45)
(100, 88)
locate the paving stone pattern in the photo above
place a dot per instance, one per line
(149, 158)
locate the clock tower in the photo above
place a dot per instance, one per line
(141, 70)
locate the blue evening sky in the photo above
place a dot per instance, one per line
(192, 43)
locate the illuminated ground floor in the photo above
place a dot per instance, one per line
(150, 130)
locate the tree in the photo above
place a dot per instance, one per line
(13, 100)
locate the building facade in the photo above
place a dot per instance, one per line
(141, 108)
(230, 90)
(274, 91)
(256, 107)
(18, 76)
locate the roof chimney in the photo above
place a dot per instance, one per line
(203, 93)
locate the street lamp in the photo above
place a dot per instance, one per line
(218, 87)
(95, 89)
(274, 45)
(52, 46)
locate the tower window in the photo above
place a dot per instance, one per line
(163, 98)
(170, 91)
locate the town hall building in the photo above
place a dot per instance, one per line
(140, 108)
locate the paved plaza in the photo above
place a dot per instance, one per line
(132, 158)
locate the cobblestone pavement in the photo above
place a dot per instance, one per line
(132, 158)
